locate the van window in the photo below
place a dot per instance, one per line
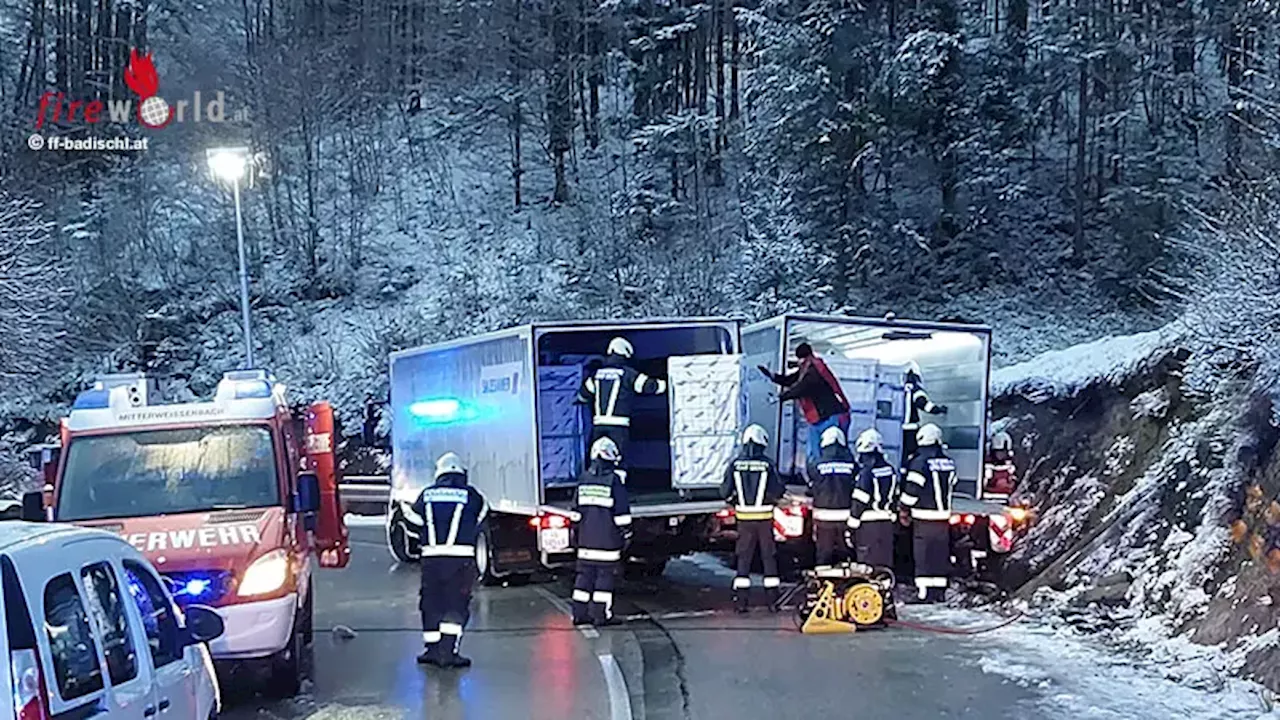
(106, 606)
(157, 614)
(71, 642)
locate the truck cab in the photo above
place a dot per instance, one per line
(231, 500)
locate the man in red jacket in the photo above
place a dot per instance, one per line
(817, 392)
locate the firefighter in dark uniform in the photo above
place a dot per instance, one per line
(604, 527)
(611, 390)
(875, 502)
(753, 487)
(831, 484)
(931, 477)
(999, 475)
(917, 402)
(453, 514)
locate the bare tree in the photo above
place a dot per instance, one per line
(33, 291)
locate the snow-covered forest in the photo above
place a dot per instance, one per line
(435, 167)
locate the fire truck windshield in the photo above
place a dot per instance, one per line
(162, 472)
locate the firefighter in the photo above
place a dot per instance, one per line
(999, 476)
(875, 502)
(604, 527)
(917, 402)
(831, 484)
(931, 476)
(752, 485)
(611, 390)
(453, 514)
(817, 393)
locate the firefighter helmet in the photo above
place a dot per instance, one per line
(1001, 441)
(620, 346)
(755, 435)
(913, 368)
(929, 435)
(870, 440)
(833, 436)
(449, 463)
(605, 449)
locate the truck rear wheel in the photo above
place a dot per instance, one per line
(399, 542)
(484, 559)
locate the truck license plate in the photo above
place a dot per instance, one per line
(555, 540)
(790, 525)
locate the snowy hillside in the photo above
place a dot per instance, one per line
(1142, 528)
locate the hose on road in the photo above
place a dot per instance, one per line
(924, 627)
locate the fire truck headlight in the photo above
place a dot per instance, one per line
(266, 574)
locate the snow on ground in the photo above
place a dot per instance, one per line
(1063, 373)
(1085, 679)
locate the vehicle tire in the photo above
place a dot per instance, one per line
(484, 560)
(648, 569)
(308, 618)
(398, 541)
(285, 677)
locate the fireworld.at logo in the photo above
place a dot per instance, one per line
(151, 111)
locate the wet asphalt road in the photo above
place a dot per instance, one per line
(708, 664)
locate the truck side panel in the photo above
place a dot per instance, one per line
(475, 399)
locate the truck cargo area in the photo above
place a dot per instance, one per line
(564, 355)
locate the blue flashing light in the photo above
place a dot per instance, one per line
(196, 587)
(95, 399)
(441, 410)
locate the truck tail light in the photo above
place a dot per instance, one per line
(29, 694)
(955, 519)
(724, 513)
(548, 522)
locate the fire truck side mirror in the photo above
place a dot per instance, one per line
(308, 493)
(33, 506)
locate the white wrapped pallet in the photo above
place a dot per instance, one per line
(708, 410)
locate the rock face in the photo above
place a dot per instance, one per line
(1152, 502)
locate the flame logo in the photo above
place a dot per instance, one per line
(140, 75)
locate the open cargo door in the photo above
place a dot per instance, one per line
(331, 529)
(708, 401)
(561, 425)
(891, 409)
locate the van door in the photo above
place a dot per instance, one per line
(708, 401)
(175, 663)
(128, 672)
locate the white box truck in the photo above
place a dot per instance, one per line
(504, 401)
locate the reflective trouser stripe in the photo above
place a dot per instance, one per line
(581, 596)
(448, 550)
(612, 421)
(877, 515)
(741, 582)
(927, 582)
(431, 636)
(599, 555)
(622, 520)
(450, 629)
(772, 582)
(923, 514)
(830, 515)
(606, 599)
(861, 495)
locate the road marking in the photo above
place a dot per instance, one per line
(615, 683)
(619, 697)
(558, 603)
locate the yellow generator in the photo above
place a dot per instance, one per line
(846, 598)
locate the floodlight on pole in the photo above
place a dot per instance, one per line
(232, 165)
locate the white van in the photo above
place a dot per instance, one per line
(89, 629)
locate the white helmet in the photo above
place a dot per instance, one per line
(605, 449)
(1001, 441)
(913, 368)
(449, 463)
(870, 440)
(620, 346)
(833, 436)
(755, 435)
(929, 435)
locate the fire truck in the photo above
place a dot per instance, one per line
(232, 500)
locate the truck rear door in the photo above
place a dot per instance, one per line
(708, 401)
